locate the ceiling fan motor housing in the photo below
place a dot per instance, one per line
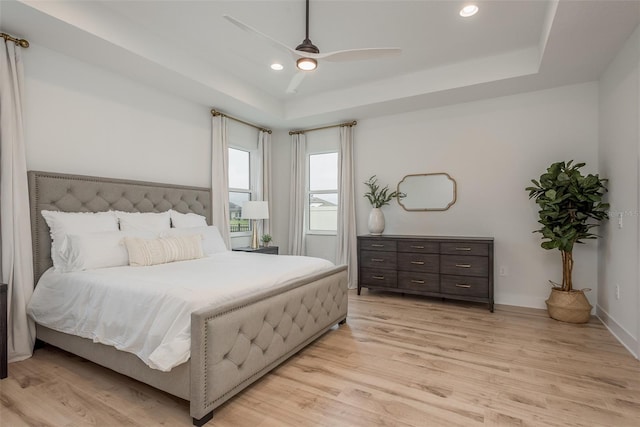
(307, 46)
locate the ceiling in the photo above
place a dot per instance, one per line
(188, 48)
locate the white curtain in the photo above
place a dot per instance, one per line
(220, 177)
(346, 241)
(297, 197)
(263, 176)
(16, 267)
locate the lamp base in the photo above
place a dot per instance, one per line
(254, 237)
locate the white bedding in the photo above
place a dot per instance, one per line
(147, 310)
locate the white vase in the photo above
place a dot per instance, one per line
(376, 222)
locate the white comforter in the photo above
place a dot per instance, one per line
(147, 310)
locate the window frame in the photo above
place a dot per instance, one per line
(250, 191)
(309, 192)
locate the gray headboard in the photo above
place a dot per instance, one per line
(77, 193)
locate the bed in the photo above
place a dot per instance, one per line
(208, 379)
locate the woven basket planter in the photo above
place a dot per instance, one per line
(571, 307)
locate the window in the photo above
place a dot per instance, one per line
(323, 192)
(239, 189)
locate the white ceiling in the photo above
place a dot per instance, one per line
(187, 48)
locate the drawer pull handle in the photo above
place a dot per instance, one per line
(378, 277)
(417, 247)
(374, 245)
(377, 260)
(417, 262)
(463, 265)
(463, 249)
(419, 282)
(460, 285)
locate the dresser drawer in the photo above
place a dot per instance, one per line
(464, 248)
(464, 285)
(378, 259)
(427, 263)
(419, 247)
(378, 278)
(464, 265)
(377, 245)
(426, 282)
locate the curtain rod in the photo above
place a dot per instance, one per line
(19, 42)
(298, 132)
(215, 113)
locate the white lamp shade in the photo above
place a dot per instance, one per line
(255, 210)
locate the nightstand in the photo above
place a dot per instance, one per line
(273, 250)
(3, 330)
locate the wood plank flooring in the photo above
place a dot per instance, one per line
(399, 361)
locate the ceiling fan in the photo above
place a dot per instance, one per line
(307, 54)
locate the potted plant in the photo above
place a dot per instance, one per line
(570, 206)
(266, 240)
(378, 197)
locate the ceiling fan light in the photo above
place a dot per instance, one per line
(306, 64)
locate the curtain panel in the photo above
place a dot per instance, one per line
(220, 177)
(264, 184)
(16, 266)
(346, 251)
(297, 202)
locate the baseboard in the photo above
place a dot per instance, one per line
(621, 334)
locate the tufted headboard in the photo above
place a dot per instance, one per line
(77, 193)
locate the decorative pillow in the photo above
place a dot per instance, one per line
(146, 221)
(212, 242)
(143, 252)
(180, 220)
(62, 224)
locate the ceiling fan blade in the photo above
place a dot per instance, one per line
(358, 54)
(295, 82)
(275, 43)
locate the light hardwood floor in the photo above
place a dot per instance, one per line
(399, 361)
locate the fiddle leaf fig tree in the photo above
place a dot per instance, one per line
(570, 206)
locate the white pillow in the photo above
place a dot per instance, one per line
(146, 221)
(62, 224)
(97, 250)
(144, 252)
(212, 242)
(180, 220)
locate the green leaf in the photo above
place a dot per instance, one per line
(570, 205)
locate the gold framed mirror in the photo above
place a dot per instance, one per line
(427, 192)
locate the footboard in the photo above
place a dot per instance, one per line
(234, 345)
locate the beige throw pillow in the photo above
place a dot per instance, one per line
(143, 252)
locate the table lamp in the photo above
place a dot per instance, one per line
(255, 210)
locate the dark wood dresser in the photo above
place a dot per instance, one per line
(448, 267)
(3, 330)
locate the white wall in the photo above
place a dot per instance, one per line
(83, 119)
(86, 120)
(619, 99)
(492, 148)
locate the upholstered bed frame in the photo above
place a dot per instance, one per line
(276, 324)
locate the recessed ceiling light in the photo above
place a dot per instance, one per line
(277, 67)
(468, 10)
